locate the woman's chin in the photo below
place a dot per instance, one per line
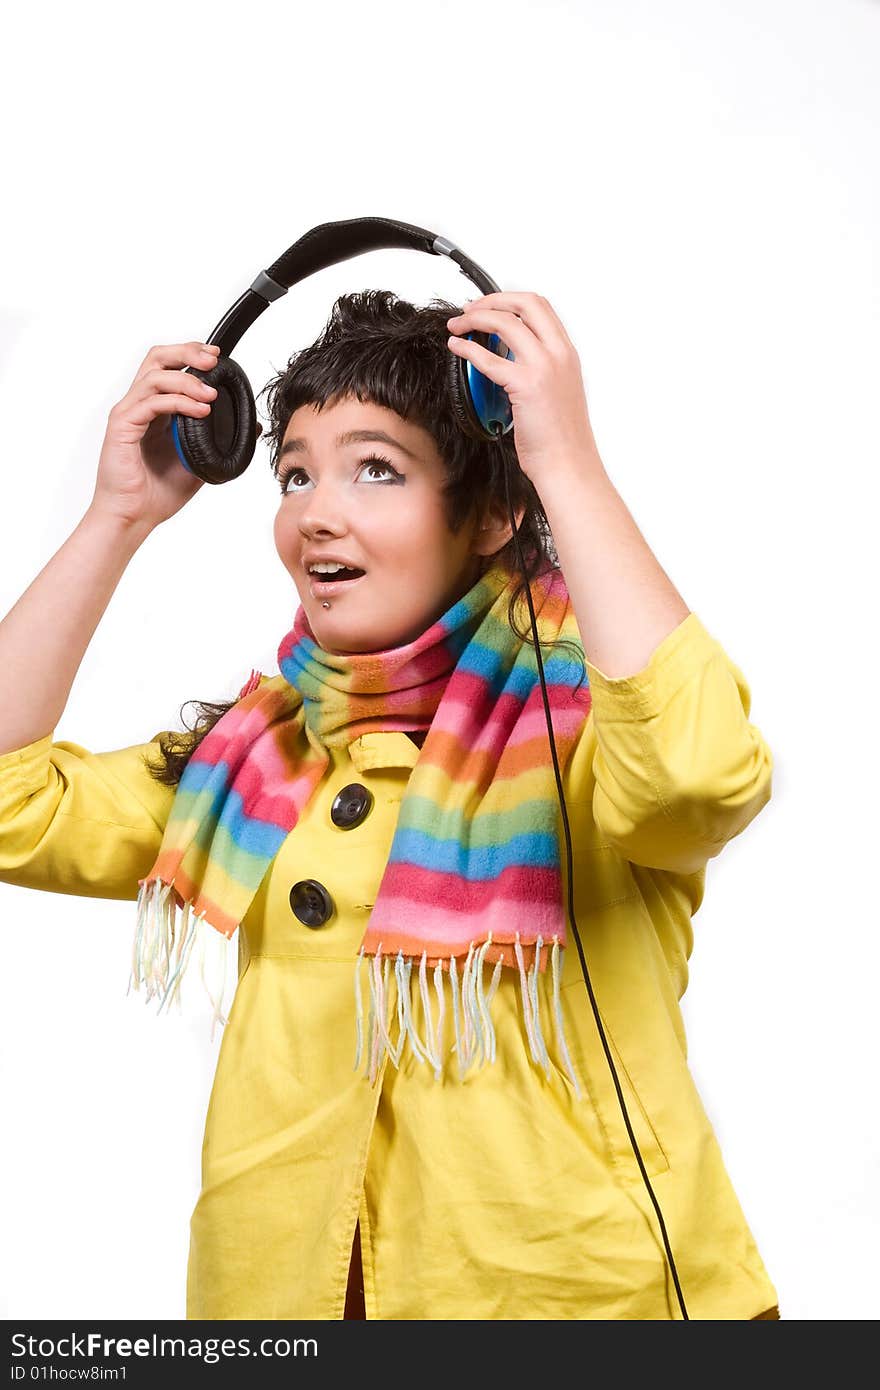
(341, 637)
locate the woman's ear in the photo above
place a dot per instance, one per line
(495, 531)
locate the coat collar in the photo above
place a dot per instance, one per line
(388, 749)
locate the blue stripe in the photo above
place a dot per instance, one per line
(254, 836)
(531, 849)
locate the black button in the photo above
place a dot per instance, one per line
(352, 805)
(311, 902)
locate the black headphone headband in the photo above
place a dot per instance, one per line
(327, 245)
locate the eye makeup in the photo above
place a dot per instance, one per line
(286, 471)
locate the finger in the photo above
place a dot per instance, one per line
(176, 381)
(511, 330)
(192, 354)
(142, 412)
(534, 310)
(501, 370)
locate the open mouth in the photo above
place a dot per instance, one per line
(323, 585)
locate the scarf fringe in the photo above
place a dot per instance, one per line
(163, 950)
(471, 1000)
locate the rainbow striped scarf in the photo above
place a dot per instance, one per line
(473, 875)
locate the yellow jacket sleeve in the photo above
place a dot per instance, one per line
(77, 822)
(679, 769)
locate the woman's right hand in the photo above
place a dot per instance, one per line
(140, 478)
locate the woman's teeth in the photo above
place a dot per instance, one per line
(334, 571)
(333, 581)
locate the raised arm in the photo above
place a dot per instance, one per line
(140, 483)
(44, 637)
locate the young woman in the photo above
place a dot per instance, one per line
(413, 1115)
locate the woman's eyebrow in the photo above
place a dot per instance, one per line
(300, 446)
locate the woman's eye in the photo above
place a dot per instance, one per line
(288, 478)
(382, 465)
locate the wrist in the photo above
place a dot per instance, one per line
(576, 468)
(123, 532)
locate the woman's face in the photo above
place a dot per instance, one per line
(375, 503)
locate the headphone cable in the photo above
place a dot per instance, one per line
(584, 970)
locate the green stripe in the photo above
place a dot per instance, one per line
(488, 828)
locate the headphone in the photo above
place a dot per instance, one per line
(219, 447)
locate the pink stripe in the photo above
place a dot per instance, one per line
(264, 780)
(468, 692)
(455, 716)
(426, 668)
(420, 923)
(406, 702)
(521, 885)
(279, 806)
(270, 794)
(244, 719)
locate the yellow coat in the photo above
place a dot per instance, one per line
(502, 1196)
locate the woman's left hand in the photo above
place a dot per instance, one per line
(551, 423)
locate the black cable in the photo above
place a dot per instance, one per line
(585, 971)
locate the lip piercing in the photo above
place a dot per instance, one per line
(324, 603)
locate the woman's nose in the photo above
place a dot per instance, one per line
(323, 511)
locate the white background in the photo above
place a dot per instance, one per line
(694, 187)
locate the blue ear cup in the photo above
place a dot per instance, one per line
(482, 407)
(218, 447)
